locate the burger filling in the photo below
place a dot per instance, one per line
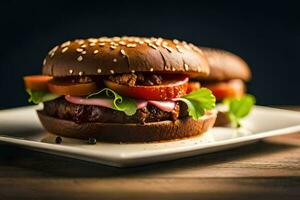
(137, 79)
(234, 88)
(234, 104)
(60, 108)
(121, 98)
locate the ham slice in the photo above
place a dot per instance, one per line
(94, 102)
(141, 103)
(167, 106)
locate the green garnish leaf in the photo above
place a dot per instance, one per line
(39, 96)
(120, 103)
(199, 101)
(239, 108)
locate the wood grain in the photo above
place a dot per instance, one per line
(269, 169)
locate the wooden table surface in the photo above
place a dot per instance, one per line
(269, 169)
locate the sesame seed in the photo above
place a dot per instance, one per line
(92, 40)
(52, 51)
(84, 52)
(133, 71)
(167, 67)
(83, 46)
(123, 52)
(141, 42)
(186, 67)
(96, 51)
(187, 46)
(113, 47)
(152, 46)
(158, 43)
(112, 71)
(55, 48)
(151, 69)
(44, 61)
(114, 44)
(131, 45)
(71, 71)
(104, 39)
(159, 40)
(79, 50)
(116, 39)
(64, 49)
(80, 73)
(122, 43)
(80, 42)
(167, 47)
(101, 44)
(164, 43)
(80, 58)
(147, 40)
(173, 69)
(175, 41)
(92, 44)
(67, 43)
(115, 60)
(52, 54)
(99, 71)
(178, 49)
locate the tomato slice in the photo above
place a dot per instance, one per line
(193, 86)
(172, 87)
(74, 89)
(36, 82)
(222, 90)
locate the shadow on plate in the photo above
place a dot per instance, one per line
(22, 132)
(37, 164)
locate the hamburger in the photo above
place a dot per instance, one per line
(123, 89)
(228, 74)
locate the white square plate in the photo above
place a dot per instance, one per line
(21, 126)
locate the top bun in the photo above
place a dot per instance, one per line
(106, 56)
(225, 65)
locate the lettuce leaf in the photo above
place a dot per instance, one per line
(120, 103)
(39, 96)
(239, 108)
(199, 101)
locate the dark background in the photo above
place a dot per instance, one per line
(265, 34)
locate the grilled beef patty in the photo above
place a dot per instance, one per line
(137, 79)
(60, 108)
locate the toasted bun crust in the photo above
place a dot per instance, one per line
(113, 132)
(222, 119)
(106, 56)
(225, 65)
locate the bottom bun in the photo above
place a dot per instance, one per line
(115, 132)
(222, 119)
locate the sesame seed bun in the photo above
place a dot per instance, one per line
(106, 56)
(116, 132)
(225, 65)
